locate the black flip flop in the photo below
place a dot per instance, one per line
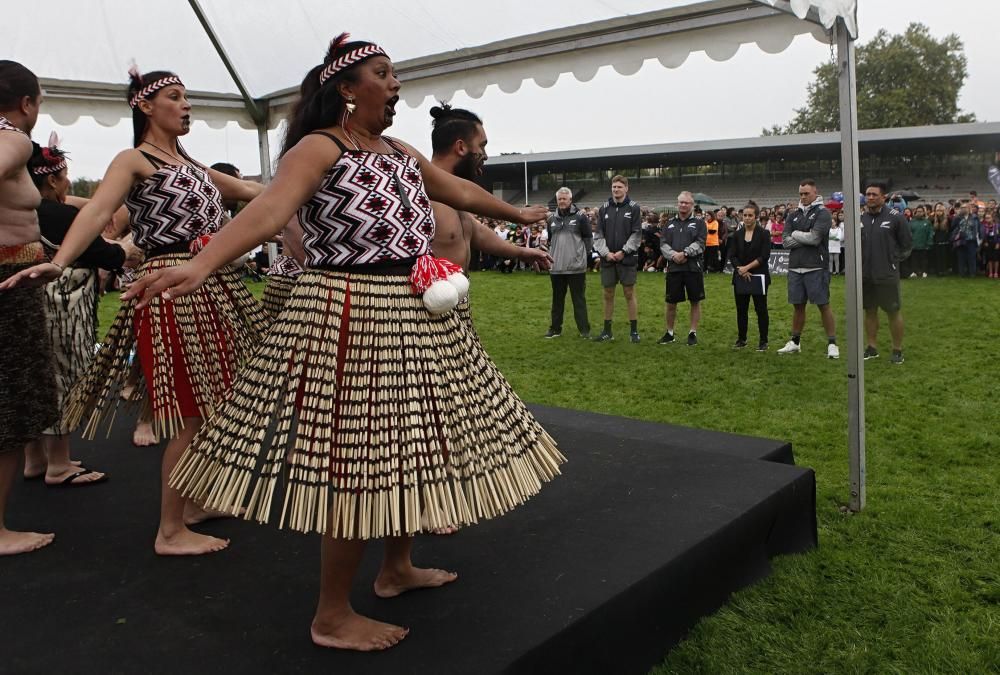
(68, 481)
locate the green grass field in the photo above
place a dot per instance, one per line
(910, 585)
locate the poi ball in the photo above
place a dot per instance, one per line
(460, 282)
(440, 297)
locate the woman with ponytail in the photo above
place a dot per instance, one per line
(190, 348)
(366, 402)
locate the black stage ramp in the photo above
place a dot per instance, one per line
(601, 573)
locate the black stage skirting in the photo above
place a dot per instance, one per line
(650, 527)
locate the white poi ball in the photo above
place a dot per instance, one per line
(441, 297)
(460, 282)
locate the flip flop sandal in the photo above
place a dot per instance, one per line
(70, 480)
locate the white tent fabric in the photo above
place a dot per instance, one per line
(439, 48)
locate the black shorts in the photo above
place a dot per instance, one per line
(680, 282)
(880, 294)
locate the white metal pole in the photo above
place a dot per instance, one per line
(525, 182)
(846, 63)
(264, 147)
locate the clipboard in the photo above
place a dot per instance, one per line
(755, 285)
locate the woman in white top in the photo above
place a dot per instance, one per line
(836, 236)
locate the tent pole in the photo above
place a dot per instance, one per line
(525, 182)
(264, 147)
(846, 63)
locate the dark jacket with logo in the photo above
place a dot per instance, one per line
(886, 241)
(806, 235)
(619, 228)
(570, 241)
(686, 236)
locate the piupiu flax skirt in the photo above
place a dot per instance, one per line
(71, 310)
(190, 350)
(27, 380)
(277, 290)
(359, 412)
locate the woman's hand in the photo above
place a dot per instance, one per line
(171, 283)
(38, 275)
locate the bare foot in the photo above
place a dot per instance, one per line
(143, 435)
(194, 514)
(186, 542)
(13, 543)
(356, 632)
(446, 530)
(390, 584)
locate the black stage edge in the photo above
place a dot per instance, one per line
(650, 528)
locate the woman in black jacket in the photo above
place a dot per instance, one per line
(749, 249)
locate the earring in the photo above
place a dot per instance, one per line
(350, 106)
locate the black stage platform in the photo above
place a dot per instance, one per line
(650, 527)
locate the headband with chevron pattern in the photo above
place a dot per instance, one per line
(152, 88)
(349, 59)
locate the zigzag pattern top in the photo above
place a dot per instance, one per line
(359, 217)
(349, 59)
(284, 266)
(178, 203)
(153, 87)
(5, 125)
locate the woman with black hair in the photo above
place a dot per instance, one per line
(71, 313)
(189, 349)
(749, 250)
(382, 408)
(28, 395)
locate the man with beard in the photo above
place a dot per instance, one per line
(459, 144)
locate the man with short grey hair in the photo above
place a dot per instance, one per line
(570, 246)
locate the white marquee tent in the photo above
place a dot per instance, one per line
(242, 61)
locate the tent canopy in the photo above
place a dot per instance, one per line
(439, 48)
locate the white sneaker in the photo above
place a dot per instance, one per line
(832, 352)
(924, 275)
(790, 348)
(913, 275)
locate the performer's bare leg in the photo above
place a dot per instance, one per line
(336, 624)
(35, 460)
(11, 542)
(173, 536)
(398, 574)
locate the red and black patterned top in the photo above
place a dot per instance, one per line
(370, 208)
(177, 204)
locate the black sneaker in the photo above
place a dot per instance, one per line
(666, 339)
(897, 357)
(870, 353)
(604, 337)
(553, 333)
(739, 344)
(692, 339)
(762, 346)
(585, 336)
(634, 337)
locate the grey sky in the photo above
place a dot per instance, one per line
(702, 99)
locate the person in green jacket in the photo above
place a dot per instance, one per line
(923, 241)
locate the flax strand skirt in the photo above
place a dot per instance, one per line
(209, 334)
(361, 410)
(277, 290)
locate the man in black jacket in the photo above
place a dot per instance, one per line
(886, 240)
(617, 240)
(682, 244)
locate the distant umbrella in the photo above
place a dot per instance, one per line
(908, 195)
(834, 205)
(702, 198)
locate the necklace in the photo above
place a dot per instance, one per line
(357, 146)
(168, 154)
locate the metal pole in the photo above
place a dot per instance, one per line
(525, 182)
(264, 147)
(852, 230)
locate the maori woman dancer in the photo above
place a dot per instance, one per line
(381, 408)
(71, 311)
(28, 395)
(190, 349)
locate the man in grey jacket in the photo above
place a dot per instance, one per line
(570, 244)
(806, 236)
(617, 240)
(682, 243)
(886, 240)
